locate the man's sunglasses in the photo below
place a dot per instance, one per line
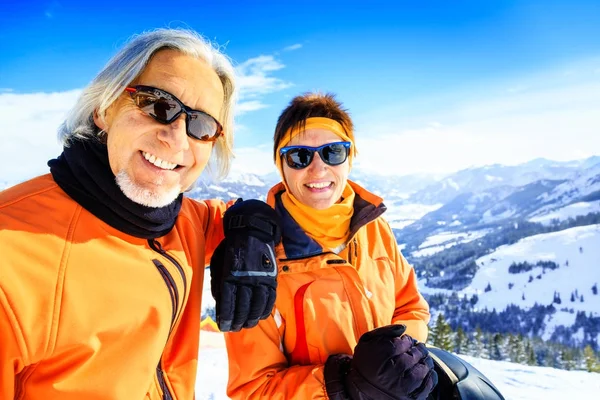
(298, 157)
(166, 108)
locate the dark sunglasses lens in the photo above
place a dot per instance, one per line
(202, 126)
(299, 158)
(334, 154)
(162, 109)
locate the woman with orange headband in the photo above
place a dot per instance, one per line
(348, 321)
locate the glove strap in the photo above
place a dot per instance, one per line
(252, 222)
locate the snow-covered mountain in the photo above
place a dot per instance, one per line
(583, 185)
(474, 180)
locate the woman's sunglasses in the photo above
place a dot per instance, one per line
(166, 108)
(298, 157)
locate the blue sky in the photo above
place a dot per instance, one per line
(443, 85)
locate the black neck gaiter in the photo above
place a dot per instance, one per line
(83, 172)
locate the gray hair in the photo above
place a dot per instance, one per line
(129, 63)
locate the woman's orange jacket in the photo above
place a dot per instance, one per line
(325, 302)
(88, 312)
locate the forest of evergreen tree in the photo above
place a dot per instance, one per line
(515, 348)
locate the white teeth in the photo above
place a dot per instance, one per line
(318, 185)
(158, 162)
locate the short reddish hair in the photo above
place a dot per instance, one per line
(307, 106)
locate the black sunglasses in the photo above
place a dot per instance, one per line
(298, 157)
(166, 108)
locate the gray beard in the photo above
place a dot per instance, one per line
(143, 196)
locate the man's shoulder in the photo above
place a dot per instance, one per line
(29, 188)
(38, 197)
(194, 207)
(201, 214)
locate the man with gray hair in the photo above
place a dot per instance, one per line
(103, 258)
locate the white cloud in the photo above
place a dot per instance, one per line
(293, 47)
(247, 106)
(254, 77)
(28, 132)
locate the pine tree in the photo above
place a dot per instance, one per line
(557, 358)
(568, 359)
(479, 344)
(498, 347)
(591, 360)
(470, 346)
(516, 350)
(460, 341)
(557, 299)
(441, 334)
(531, 359)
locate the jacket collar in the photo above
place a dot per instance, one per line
(297, 244)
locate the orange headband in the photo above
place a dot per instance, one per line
(314, 123)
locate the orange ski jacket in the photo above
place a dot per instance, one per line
(88, 312)
(325, 302)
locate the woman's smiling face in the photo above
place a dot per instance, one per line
(319, 185)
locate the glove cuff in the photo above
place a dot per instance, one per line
(335, 371)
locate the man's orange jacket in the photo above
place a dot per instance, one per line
(88, 312)
(325, 302)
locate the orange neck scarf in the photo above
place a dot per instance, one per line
(329, 227)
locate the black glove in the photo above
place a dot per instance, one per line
(243, 268)
(386, 365)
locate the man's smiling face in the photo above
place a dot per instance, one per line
(153, 162)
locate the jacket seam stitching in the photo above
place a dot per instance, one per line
(60, 279)
(28, 195)
(351, 302)
(194, 225)
(15, 326)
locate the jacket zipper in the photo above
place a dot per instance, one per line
(175, 309)
(173, 292)
(163, 383)
(352, 251)
(305, 257)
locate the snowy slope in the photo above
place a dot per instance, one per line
(441, 241)
(515, 381)
(579, 246)
(564, 213)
